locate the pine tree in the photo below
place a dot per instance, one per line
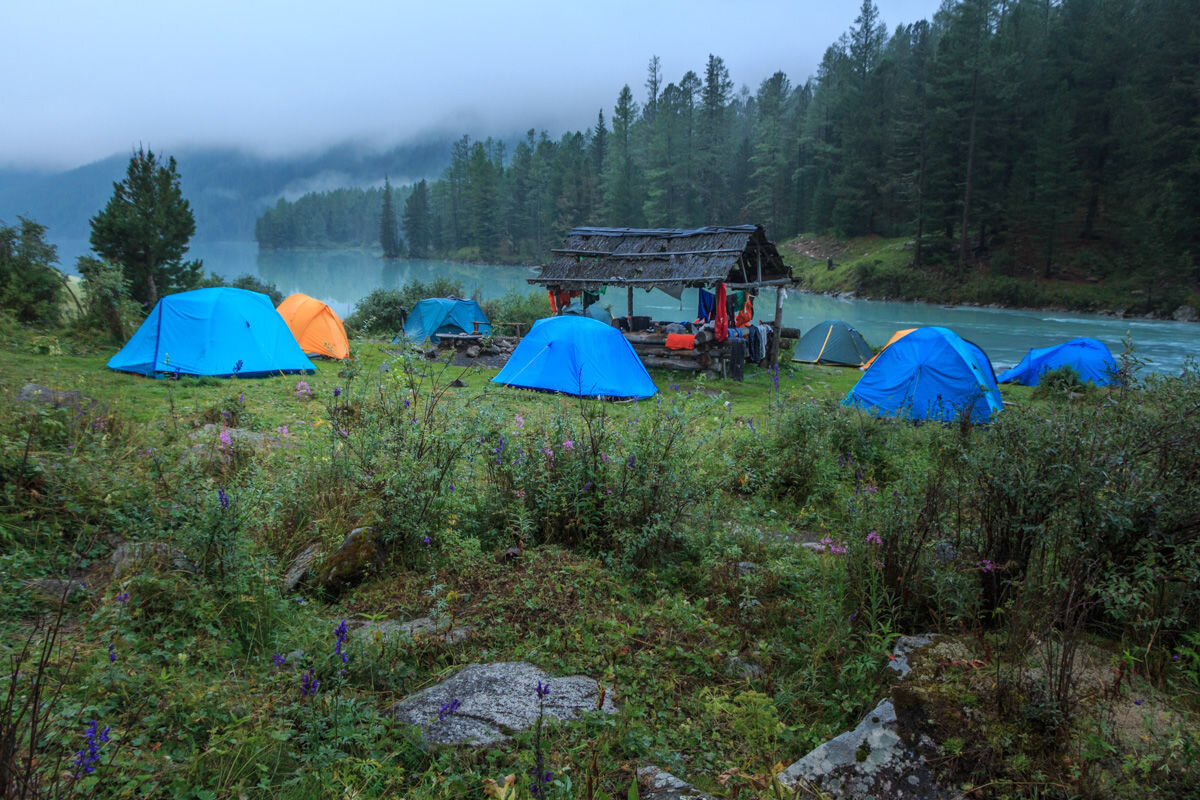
(389, 235)
(417, 224)
(146, 227)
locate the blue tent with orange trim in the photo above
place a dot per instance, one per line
(932, 373)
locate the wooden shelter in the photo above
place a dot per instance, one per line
(740, 256)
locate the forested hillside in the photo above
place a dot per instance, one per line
(1031, 138)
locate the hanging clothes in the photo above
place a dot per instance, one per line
(746, 313)
(722, 327)
(704, 311)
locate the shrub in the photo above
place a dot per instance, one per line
(384, 311)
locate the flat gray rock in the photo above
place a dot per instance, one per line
(904, 646)
(496, 701)
(139, 557)
(658, 784)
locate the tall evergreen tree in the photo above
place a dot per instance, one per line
(622, 202)
(389, 234)
(417, 223)
(145, 227)
(713, 145)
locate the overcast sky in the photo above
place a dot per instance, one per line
(85, 79)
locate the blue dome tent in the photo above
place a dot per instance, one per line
(437, 315)
(220, 331)
(578, 356)
(1089, 357)
(931, 373)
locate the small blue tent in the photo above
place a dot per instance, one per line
(1089, 357)
(444, 315)
(579, 356)
(211, 332)
(929, 374)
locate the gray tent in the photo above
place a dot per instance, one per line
(833, 342)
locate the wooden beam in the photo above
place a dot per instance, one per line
(777, 339)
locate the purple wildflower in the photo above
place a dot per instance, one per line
(308, 684)
(448, 709)
(283, 431)
(123, 597)
(521, 494)
(223, 498)
(237, 367)
(303, 390)
(543, 690)
(987, 566)
(112, 654)
(632, 462)
(341, 634)
(427, 540)
(279, 658)
(337, 391)
(87, 758)
(775, 376)
(873, 538)
(1137, 702)
(226, 438)
(519, 420)
(568, 445)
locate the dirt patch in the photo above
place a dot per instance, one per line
(818, 248)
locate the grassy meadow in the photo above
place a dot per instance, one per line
(653, 546)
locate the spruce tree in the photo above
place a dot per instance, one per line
(389, 235)
(146, 227)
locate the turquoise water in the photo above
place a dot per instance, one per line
(342, 277)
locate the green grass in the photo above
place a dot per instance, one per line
(653, 611)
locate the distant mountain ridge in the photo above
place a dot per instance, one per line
(227, 188)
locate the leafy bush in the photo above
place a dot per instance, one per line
(108, 304)
(30, 287)
(384, 311)
(250, 283)
(514, 307)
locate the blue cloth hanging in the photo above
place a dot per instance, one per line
(708, 304)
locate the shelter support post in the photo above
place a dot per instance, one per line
(629, 296)
(777, 339)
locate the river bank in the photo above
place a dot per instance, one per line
(874, 268)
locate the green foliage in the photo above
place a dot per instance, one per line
(516, 309)
(389, 233)
(31, 288)
(108, 304)
(383, 311)
(251, 283)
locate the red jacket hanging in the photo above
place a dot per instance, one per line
(722, 330)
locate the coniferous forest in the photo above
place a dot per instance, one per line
(1033, 137)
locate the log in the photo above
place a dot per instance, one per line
(692, 365)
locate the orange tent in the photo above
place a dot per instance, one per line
(895, 337)
(315, 325)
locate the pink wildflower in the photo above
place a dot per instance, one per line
(283, 431)
(873, 538)
(521, 493)
(519, 420)
(568, 445)
(226, 439)
(987, 566)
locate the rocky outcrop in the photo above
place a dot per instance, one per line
(300, 569)
(881, 757)
(494, 701)
(136, 557)
(358, 556)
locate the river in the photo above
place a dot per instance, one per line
(342, 277)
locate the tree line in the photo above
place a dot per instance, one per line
(1030, 135)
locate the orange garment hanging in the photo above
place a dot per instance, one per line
(746, 315)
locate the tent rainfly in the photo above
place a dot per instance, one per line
(437, 315)
(218, 331)
(832, 342)
(317, 327)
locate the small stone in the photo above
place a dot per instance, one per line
(458, 383)
(473, 351)
(56, 590)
